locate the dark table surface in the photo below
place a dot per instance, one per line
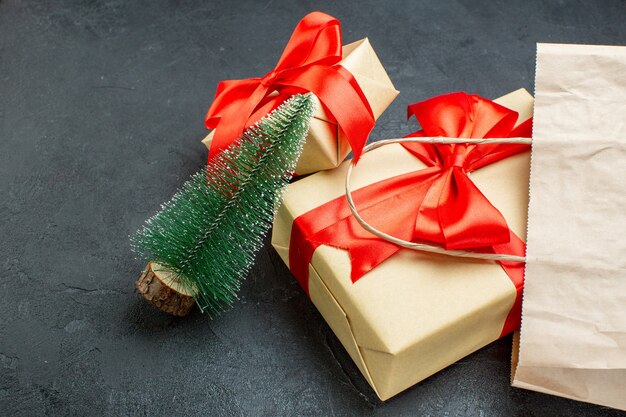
(101, 116)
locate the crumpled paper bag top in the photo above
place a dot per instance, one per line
(573, 336)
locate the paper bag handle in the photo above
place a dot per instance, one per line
(421, 246)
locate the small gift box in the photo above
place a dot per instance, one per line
(403, 315)
(349, 82)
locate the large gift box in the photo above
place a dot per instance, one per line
(328, 142)
(403, 315)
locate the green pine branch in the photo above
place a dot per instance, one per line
(210, 231)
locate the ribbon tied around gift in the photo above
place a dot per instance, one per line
(437, 205)
(309, 63)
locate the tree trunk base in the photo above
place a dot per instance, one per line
(163, 290)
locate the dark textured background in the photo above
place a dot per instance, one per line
(101, 116)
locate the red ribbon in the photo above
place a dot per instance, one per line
(438, 204)
(309, 63)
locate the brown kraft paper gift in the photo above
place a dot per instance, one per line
(326, 146)
(415, 313)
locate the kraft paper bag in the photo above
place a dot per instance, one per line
(573, 336)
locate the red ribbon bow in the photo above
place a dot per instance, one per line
(309, 63)
(453, 212)
(438, 204)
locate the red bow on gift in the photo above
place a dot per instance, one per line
(309, 63)
(451, 210)
(438, 204)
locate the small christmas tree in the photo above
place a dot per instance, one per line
(205, 238)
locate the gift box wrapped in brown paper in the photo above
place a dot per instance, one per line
(415, 313)
(326, 145)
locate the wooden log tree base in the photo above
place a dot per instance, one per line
(164, 290)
